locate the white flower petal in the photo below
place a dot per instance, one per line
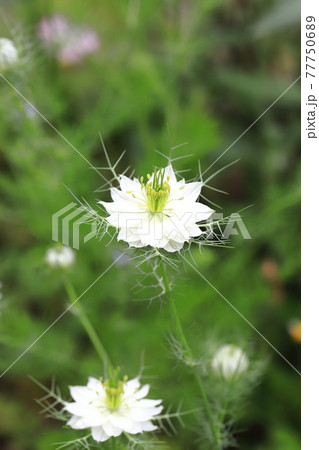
(186, 191)
(131, 221)
(201, 208)
(118, 196)
(81, 394)
(121, 422)
(124, 206)
(96, 385)
(136, 428)
(148, 403)
(75, 408)
(194, 231)
(91, 415)
(77, 423)
(176, 227)
(143, 414)
(99, 434)
(96, 418)
(173, 246)
(132, 385)
(111, 430)
(127, 184)
(192, 191)
(148, 426)
(143, 392)
(169, 172)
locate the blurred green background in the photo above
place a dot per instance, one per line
(166, 73)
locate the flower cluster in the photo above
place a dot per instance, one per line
(162, 212)
(112, 407)
(69, 42)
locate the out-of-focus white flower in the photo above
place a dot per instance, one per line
(70, 43)
(8, 54)
(60, 256)
(112, 407)
(162, 213)
(229, 361)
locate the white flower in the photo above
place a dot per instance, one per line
(162, 213)
(8, 54)
(230, 360)
(60, 256)
(112, 407)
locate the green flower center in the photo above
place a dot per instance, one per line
(114, 390)
(157, 191)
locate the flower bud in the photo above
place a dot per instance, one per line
(229, 361)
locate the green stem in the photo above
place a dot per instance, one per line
(181, 335)
(87, 325)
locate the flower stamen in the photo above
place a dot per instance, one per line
(157, 191)
(114, 390)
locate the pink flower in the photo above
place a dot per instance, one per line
(70, 43)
